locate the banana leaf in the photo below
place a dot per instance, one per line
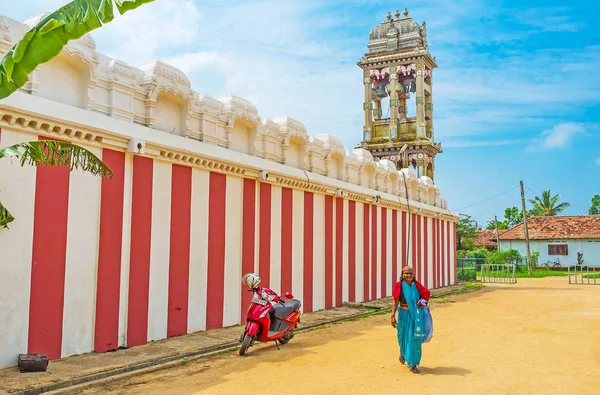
(5, 217)
(52, 153)
(47, 39)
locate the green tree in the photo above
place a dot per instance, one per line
(512, 216)
(52, 153)
(547, 205)
(491, 225)
(466, 232)
(595, 207)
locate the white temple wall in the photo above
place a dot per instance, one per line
(122, 262)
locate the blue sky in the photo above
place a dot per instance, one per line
(516, 94)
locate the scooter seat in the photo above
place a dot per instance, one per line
(290, 305)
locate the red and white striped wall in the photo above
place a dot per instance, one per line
(92, 265)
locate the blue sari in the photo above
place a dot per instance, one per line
(410, 326)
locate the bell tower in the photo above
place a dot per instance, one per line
(397, 74)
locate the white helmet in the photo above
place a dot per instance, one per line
(251, 280)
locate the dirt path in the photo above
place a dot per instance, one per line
(540, 336)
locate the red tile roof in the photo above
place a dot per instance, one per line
(486, 238)
(558, 227)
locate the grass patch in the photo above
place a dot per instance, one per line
(591, 276)
(466, 287)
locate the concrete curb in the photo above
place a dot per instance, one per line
(163, 362)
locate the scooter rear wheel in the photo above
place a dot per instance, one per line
(287, 337)
(245, 344)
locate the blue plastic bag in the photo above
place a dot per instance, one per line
(428, 321)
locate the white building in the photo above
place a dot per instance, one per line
(558, 238)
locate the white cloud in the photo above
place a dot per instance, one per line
(189, 62)
(156, 28)
(560, 135)
(547, 19)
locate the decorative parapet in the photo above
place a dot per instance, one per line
(121, 73)
(163, 74)
(5, 36)
(316, 160)
(235, 107)
(367, 168)
(391, 174)
(208, 105)
(293, 129)
(365, 157)
(270, 143)
(410, 178)
(334, 152)
(352, 166)
(162, 77)
(381, 177)
(332, 144)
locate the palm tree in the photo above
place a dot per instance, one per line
(52, 153)
(547, 205)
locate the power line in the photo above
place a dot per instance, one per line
(534, 193)
(485, 200)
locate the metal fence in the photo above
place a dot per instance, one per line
(585, 275)
(499, 273)
(486, 270)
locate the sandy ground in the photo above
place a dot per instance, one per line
(541, 336)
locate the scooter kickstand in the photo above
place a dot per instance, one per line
(277, 345)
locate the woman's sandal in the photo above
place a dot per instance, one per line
(415, 370)
(402, 361)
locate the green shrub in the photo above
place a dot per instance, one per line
(478, 253)
(535, 259)
(508, 257)
(467, 275)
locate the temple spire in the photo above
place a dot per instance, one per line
(398, 105)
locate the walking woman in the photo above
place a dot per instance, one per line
(408, 301)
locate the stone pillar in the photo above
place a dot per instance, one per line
(402, 108)
(229, 133)
(428, 117)
(377, 110)
(393, 103)
(420, 100)
(368, 106)
(429, 109)
(150, 104)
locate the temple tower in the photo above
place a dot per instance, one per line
(397, 66)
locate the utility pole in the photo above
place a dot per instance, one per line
(526, 232)
(497, 235)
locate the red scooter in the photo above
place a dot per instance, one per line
(269, 318)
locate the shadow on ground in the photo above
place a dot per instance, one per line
(445, 371)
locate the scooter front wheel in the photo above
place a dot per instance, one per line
(245, 344)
